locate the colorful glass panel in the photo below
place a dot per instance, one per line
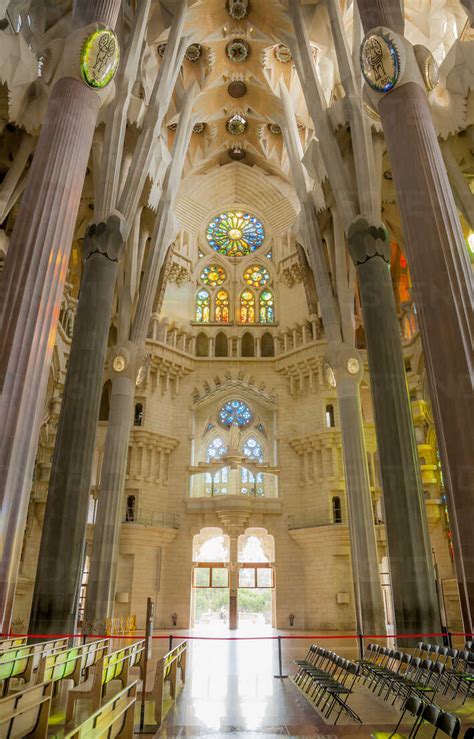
(222, 306)
(235, 233)
(203, 307)
(266, 311)
(256, 276)
(215, 449)
(235, 410)
(253, 449)
(213, 275)
(247, 307)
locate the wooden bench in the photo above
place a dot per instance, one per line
(167, 671)
(114, 666)
(114, 719)
(26, 713)
(14, 641)
(72, 663)
(21, 662)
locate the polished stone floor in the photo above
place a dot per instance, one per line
(231, 691)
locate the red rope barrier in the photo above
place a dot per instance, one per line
(232, 638)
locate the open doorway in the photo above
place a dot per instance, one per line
(210, 592)
(255, 599)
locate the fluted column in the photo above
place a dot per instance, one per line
(101, 586)
(411, 568)
(443, 291)
(60, 560)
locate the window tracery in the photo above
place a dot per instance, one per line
(266, 307)
(247, 307)
(235, 233)
(203, 307)
(222, 307)
(213, 275)
(216, 449)
(235, 410)
(256, 276)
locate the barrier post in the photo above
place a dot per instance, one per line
(150, 609)
(280, 675)
(360, 642)
(170, 643)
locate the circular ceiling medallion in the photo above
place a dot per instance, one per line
(236, 124)
(193, 53)
(119, 363)
(237, 89)
(283, 54)
(100, 56)
(379, 62)
(353, 365)
(274, 128)
(237, 153)
(238, 9)
(237, 50)
(428, 67)
(235, 233)
(199, 127)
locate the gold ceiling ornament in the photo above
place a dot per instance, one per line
(283, 54)
(237, 50)
(119, 363)
(353, 365)
(237, 124)
(428, 67)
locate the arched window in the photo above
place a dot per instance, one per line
(336, 510)
(266, 307)
(138, 416)
(247, 307)
(203, 307)
(330, 423)
(267, 346)
(222, 307)
(130, 510)
(215, 449)
(202, 345)
(248, 345)
(256, 276)
(221, 346)
(213, 275)
(253, 449)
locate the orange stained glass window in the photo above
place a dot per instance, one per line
(222, 306)
(247, 307)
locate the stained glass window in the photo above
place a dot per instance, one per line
(213, 275)
(235, 233)
(253, 449)
(222, 306)
(266, 312)
(203, 307)
(215, 449)
(256, 276)
(235, 410)
(247, 307)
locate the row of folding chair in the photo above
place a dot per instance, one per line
(399, 673)
(425, 713)
(328, 680)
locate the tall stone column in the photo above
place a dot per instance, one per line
(412, 574)
(101, 586)
(365, 571)
(233, 581)
(31, 290)
(60, 559)
(442, 286)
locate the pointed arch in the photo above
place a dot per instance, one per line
(222, 312)
(222, 345)
(267, 345)
(248, 345)
(202, 345)
(203, 306)
(266, 307)
(247, 307)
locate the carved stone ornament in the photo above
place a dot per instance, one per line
(428, 66)
(237, 50)
(274, 128)
(366, 241)
(380, 61)
(238, 9)
(329, 375)
(119, 363)
(237, 124)
(100, 56)
(353, 365)
(199, 127)
(283, 54)
(106, 238)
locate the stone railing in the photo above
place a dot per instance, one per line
(152, 518)
(304, 521)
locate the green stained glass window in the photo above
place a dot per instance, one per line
(266, 307)
(213, 275)
(235, 233)
(203, 307)
(256, 276)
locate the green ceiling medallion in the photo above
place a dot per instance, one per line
(100, 56)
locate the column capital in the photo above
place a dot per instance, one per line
(367, 241)
(106, 238)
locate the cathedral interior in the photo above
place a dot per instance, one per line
(236, 367)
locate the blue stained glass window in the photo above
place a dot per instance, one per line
(216, 449)
(235, 410)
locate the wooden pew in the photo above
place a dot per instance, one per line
(71, 663)
(10, 643)
(26, 713)
(114, 719)
(167, 671)
(21, 662)
(114, 666)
